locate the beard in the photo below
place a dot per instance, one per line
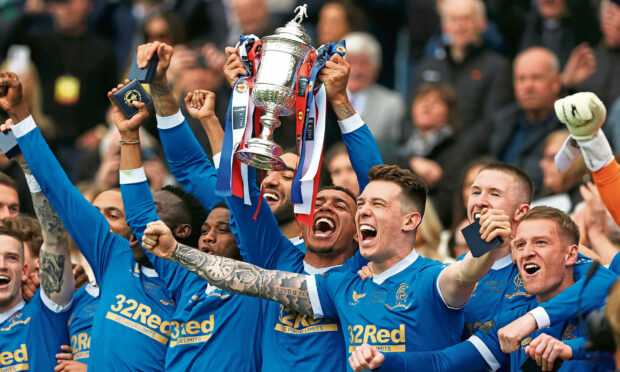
(285, 213)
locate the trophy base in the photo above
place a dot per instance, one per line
(262, 154)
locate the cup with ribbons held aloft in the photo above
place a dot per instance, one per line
(281, 81)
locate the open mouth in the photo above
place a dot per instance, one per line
(531, 269)
(477, 216)
(324, 227)
(271, 197)
(368, 232)
(4, 280)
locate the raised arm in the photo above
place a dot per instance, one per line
(458, 280)
(361, 146)
(55, 270)
(85, 224)
(289, 289)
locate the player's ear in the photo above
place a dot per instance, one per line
(182, 230)
(412, 221)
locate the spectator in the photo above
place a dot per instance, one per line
(457, 246)
(517, 130)
(428, 238)
(340, 170)
(75, 69)
(9, 201)
(253, 17)
(560, 25)
(166, 27)
(430, 149)
(382, 109)
(560, 189)
(598, 70)
(481, 77)
(336, 19)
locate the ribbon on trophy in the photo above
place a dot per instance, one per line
(232, 174)
(306, 180)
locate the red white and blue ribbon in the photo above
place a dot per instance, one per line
(232, 174)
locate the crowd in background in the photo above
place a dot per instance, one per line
(443, 85)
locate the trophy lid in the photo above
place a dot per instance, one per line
(293, 30)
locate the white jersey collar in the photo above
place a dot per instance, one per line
(309, 269)
(502, 262)
(92, 289)
(7, 314)
(398, 267)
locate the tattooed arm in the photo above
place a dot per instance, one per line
(55, 271)
(163, 100)
(289, 289)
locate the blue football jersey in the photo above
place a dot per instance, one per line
(80, 321)
(290, 340)
(399, 310)
(32, 334)
(210, 329)
(502, 289)
(564, 331)
(134, 312)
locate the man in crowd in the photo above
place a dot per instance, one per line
(382, 109)
(517, 130)
(389, 211)
(481, 77)
(9, 200)
(545, 249)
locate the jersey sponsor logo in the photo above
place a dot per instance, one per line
(292, 322)
(80, 345)
(519, 290)
(401, 298)
(14, 360)
(383, 339)
(192, 332)
(137, 316)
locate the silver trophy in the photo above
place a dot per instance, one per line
(274, 89)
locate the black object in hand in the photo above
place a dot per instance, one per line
(529, 365)
(476, 244)
(143, 75)
(126, 95)
(8, 144)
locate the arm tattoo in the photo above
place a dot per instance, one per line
(54, 233)
(163, 100)
(289, 289)
(343, 111)
(51, 272)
